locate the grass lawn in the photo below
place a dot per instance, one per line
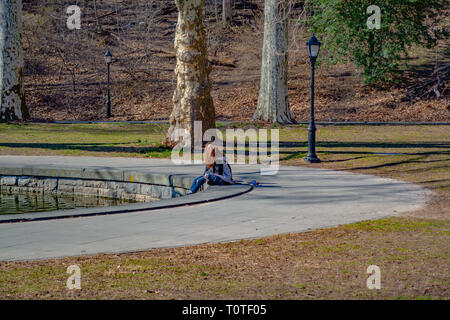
(412, 250)
(121, 140)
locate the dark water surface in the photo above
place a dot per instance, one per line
(16, 203)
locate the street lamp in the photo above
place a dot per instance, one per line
(313, 51)
(108, 58)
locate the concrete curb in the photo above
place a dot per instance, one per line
(211, 194)
(180, 181)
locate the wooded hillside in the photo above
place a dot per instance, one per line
(65, 72)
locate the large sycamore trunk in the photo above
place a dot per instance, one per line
(273, 101)
(12, 96)
(192, 97)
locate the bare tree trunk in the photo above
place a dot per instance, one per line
(97, 21)
(216, 9)
(226, 10)
(192, 97)
(12, 95)
(273, 101)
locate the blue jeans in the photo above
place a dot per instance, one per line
(212, 178)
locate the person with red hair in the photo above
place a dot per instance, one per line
(217, 171)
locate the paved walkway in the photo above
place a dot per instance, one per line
(295, 200)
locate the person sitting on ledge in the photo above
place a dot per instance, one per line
(217, 171)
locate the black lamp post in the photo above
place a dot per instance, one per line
(108, 58)
(313, 51)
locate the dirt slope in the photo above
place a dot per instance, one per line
(65, 70)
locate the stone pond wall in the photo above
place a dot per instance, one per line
(73, 186)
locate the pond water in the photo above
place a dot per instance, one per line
(16, 203)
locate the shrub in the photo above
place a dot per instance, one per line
(342, 24)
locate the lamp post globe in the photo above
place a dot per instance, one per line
(108, 57)
(313, 46)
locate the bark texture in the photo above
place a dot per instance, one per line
(12, 96)
(273, 101)
(192, 97)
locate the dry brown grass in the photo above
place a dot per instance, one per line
(412, 250)
(325, 264)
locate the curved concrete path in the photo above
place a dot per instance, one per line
(296, 199)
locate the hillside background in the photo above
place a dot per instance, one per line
(65, 73)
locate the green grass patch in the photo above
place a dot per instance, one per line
(395, 225)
